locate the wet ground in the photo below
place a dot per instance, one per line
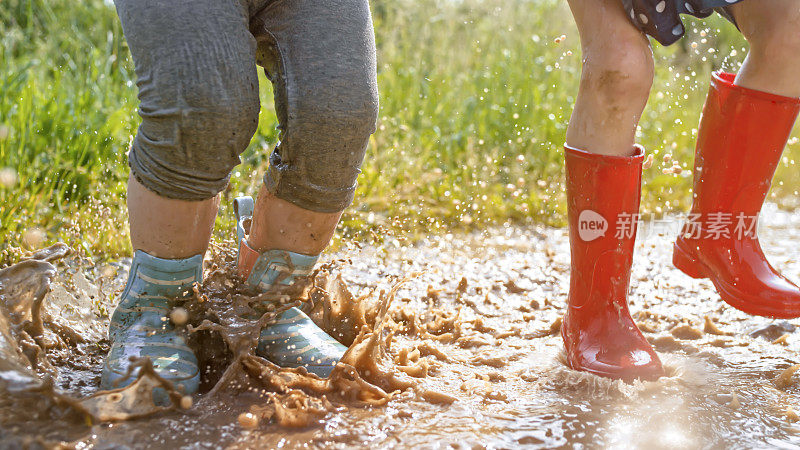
(455, 344)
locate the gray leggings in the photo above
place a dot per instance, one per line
(198, 91)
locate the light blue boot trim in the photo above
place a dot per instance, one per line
(280, 266)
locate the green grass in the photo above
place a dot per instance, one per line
(475, 99)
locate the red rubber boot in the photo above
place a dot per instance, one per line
(603, 205)
(739, 144)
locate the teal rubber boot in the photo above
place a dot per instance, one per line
(294, 340)
(140, 324)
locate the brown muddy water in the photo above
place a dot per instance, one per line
(454, 343)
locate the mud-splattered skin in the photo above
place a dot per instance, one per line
(465, 352)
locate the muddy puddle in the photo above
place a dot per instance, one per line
(453, 343)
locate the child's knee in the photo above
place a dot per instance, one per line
(342, 105)
(621, 70)
(187, 150)
(323, 145)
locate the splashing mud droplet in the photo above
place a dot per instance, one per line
(179, 316)
(783, 340)
(248, 420)
(8, 177)
(686, 332)
(186, 402)
(648, 163)
(33, 237)
(734, 403)
(785, 379)
(711, 328)
(5, 132)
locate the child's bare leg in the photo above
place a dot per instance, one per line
(278, 224)
(772, 27)
(603, 179)
(615, 81)
(168, 228)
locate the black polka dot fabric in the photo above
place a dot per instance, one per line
(661, 18)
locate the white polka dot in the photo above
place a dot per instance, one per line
(677, 30)
(689, 7)
(661, 6)
(633, 16)
(731, 1)
(643, 18)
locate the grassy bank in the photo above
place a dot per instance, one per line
(475, 98)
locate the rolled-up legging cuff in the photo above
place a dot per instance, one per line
(171, 183)
(306, 195)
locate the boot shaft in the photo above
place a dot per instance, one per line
(158, 277)
(152, 284)
(603, 194)
(740, 140)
